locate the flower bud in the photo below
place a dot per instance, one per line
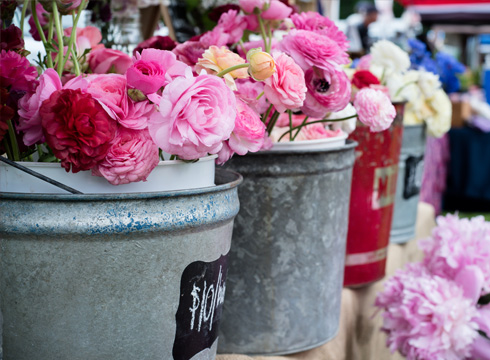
(136, 95)
(262, 65)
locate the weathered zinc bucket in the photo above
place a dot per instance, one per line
(371, 204)
(410, 171)
(286, 262)
(115, 276)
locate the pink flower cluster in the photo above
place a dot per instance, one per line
(431, 308)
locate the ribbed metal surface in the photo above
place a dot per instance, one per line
(99, 276)
(287, 256)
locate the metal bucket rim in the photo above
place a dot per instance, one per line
(229, 180)
(349, 144)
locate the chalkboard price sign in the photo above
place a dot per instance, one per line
(202, 292)
(414, 166)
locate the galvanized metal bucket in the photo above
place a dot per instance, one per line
(372, 197)
(410, 171)
(115, 276)
(287, 259)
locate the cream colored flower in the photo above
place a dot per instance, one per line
(389, 56)
(440, 122)
(428, 83)
(347, 126)
(262, 64)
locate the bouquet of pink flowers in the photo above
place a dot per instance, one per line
(93, 108)
(439, 308)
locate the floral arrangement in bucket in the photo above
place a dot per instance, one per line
(98, 110)
(439, 308)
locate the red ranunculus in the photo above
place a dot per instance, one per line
(77, 129)
(364, 78)
(156, 42)
(11, 38)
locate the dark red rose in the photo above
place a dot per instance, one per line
(11, 38)
(216, 13)
(77, 128)
(7, 10)
(364, 78)
(156, 42)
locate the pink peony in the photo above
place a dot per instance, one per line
(374, 109)
(42, 16)
(104, 61)
(481, 346)
(196, 114)
(16, 72)
(248, 91)
(310, 49)
(427, 317)
(131, 157)
(315, 22)
(329, 90)
(110, 90)
(153, 69)
(248, 6)
(248, 134)
(30, 120)
(286, 87)
(456, 244)
(189, 52)
(276, 11)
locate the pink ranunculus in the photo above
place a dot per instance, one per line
(232, 24)
(296, 119)
(309, 49)
(105, 60)
(131, 157)
(224, 154)
(29, 118)
(426, 316)
(215, 37)
(153, 69)
(374, 109)
(254, 45)
(252, 22)
(66, 6)
(248, 6)
(286, 88)
(42, 16)
(110, 90)
(329, 90)
(364, 62)
(189, 52)
(196, 114)
(16, 72)
(317, 131)
(313, 21)
(248, 91)
(138, 115)
(88, 37)
(276, 11)
(248, 134)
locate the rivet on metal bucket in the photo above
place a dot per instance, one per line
(112, 276)
(287, 256)
(410, 171)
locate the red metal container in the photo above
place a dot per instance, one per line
(371, 204)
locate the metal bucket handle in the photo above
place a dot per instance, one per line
(39, 176)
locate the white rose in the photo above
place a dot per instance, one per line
(440, 122)
(391, 57)
(428, 83)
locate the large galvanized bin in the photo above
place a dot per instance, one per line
(115, 277)
(287, 259)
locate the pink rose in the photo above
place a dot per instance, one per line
(315, 22)
(131, 157)
(374, 109)
(30, 120)
(310, 49)
(196, 114)
(248, 134)
(16, 72)
(153, 69)
(248, 91)
(248, 6)
(276, 11)
(189, 52)
(104, 60)
(286, 87)
(110, 90)
(328, 91)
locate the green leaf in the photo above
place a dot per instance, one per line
(50, 47)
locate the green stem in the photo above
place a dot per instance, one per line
(23, 16)
(232, 68)
(266, 115)
(263, 33)
(290, 113)
(382, 76)
(72, 41)
(173, 157)
(403, 87)
(300, 127)
(315, 122)
(269, 32)
(13, 141)
(259, 96)
(273, 121)
(7, 148)
(243, 47)
(41, 33)
(59, 34)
